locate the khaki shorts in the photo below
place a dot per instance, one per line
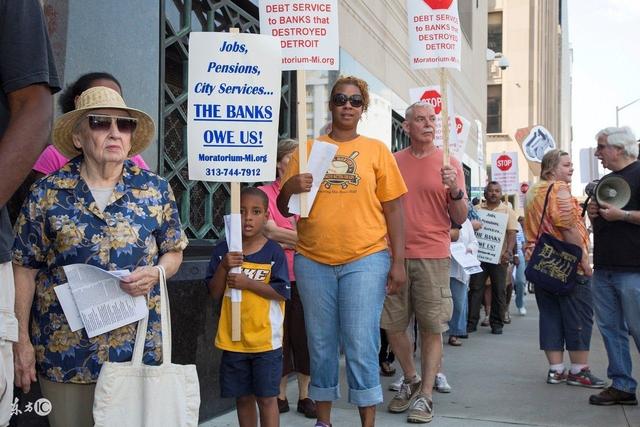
(426, 293)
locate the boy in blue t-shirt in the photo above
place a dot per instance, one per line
(251, 368)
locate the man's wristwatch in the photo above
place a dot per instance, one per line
(458, 196)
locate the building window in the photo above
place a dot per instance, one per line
(495, 31)
(465, 12)
(494, 108)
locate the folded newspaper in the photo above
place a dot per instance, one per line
(92, 299)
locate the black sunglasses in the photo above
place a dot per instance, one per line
(340, 99)
(103, 123)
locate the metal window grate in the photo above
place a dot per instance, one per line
(201, 204)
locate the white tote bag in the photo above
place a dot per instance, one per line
(137, 395)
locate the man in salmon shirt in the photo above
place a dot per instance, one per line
(435, 199)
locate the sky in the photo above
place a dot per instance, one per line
(605, 38)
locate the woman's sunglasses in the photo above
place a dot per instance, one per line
(103, 123)
(340, 99)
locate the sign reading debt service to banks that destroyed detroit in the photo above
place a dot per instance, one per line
(234, 106)
(491, 236)
(307, 30)
(434, 33)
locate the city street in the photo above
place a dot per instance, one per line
(496, 381)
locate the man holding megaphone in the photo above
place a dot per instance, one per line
(615, 215)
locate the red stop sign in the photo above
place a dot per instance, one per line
(504, 162)
(458, 125)
(438, 4)
(433, 98)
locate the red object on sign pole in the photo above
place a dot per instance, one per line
(438, 4)
(458, 125)
(524, 187)
(433, 97)
(504, 162)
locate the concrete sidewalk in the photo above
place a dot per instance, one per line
(497, 381)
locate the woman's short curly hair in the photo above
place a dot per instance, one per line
(355, 81)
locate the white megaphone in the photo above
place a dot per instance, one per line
(614, 190)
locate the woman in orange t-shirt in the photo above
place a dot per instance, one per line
(343, 265)
(565, 321)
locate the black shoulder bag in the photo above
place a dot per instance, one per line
(554, 264)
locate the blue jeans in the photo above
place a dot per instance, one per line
(566, 321)
(616, 302)
(342, 306)
(520, 281)
(458, 322)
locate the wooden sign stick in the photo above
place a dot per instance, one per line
(235, 209)
(301, 91)
(445, 116)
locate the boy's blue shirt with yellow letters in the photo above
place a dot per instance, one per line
(261, 319)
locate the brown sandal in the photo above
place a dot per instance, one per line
(386, 370)
(455, 341)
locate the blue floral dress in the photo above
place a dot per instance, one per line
(60, 224)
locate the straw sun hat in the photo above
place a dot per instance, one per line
(98, 98)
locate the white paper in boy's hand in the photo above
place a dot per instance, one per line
(233, 234)
(69, 307)
(320, 159)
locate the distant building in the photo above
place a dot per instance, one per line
(535, 89)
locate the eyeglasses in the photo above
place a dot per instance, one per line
(340, 99)
(601, 147)
(103, 123)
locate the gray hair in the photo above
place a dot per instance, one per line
(409, 111)
(622, 137)
(286, 146)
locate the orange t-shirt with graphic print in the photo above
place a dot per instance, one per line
(346, 221)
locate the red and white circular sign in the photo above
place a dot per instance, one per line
(504, 162)
(439, 4)
(458, 125)
(433, 97)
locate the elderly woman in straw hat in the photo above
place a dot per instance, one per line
(99, 209)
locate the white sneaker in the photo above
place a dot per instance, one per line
(522, 311)
(441, 385)
(395, 386)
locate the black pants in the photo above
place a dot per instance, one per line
(498, 275)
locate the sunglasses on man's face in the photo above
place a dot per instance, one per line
(103, 123)
(340, 99)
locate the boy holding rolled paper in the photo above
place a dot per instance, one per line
(251, 368)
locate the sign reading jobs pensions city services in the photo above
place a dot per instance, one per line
(491, 236)
(234, 105)
(434, 33)
(308, 32)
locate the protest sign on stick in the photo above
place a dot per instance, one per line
(233, 115)
(434, 42)
(491, 236)
(434, 34)
(504, 169)
(308, 34)
(307, 30)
